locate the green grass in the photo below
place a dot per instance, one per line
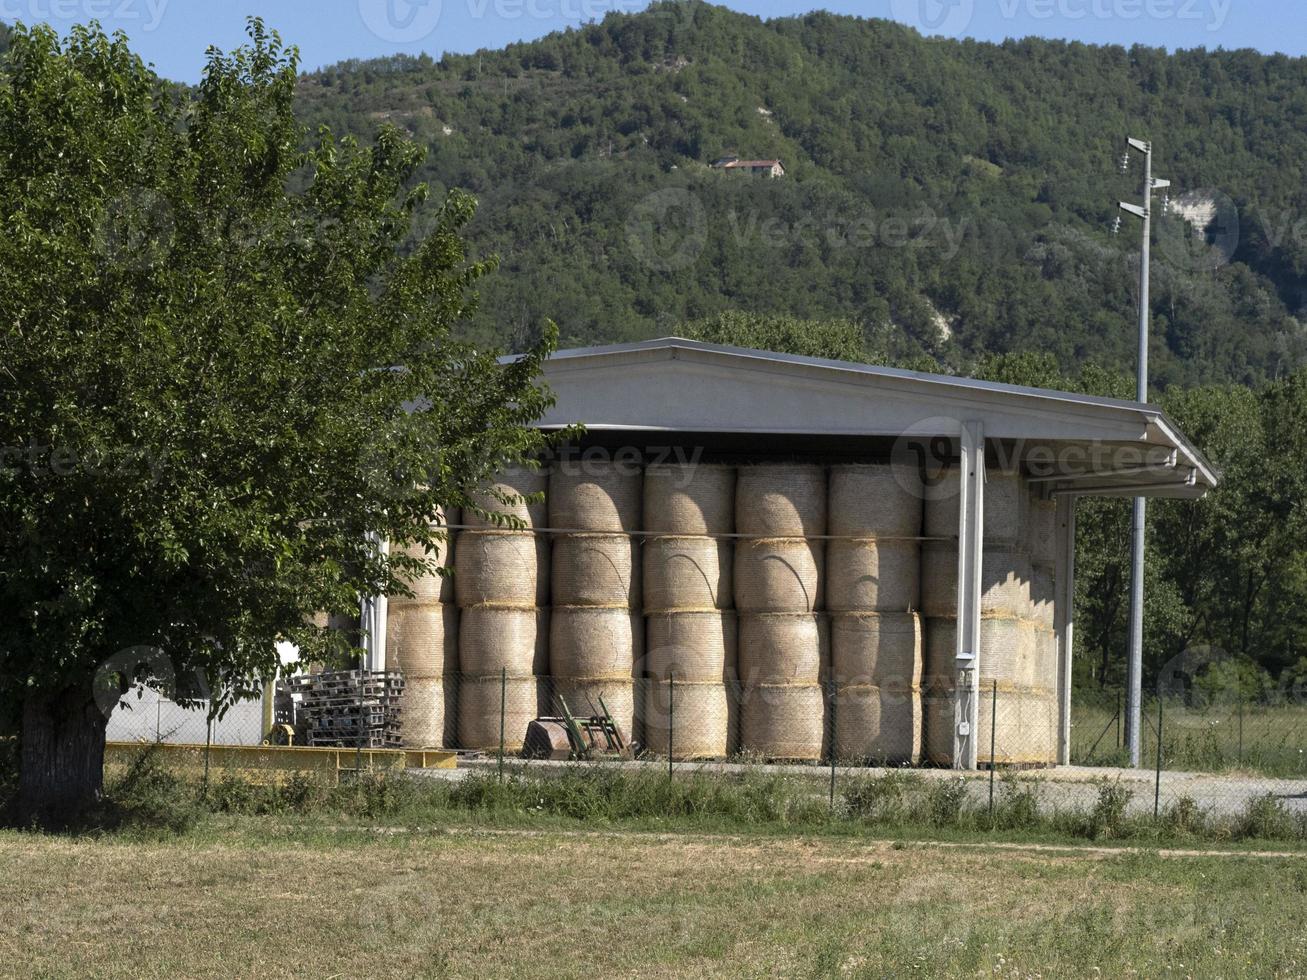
(149, 800)
(258, 899)
(1273, 741)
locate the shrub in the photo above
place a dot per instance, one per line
(883, 798)
(1267, 817)
(1107, 819)
(1017, 806)
(149, 797)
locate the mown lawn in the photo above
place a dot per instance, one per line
(257, 897)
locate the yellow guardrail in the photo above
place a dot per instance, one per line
(273, 762)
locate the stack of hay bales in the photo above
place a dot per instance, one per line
(422, 642)
(502, 585)
(1041, 713)
(783, 640)
(1008, 636)
(688, 600)
(873, 593)
(596, 632)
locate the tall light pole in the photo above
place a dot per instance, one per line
(1135, 661)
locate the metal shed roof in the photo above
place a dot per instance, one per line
(1097, 446)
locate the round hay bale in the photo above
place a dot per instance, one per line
(876, 650)
(783, 722)
(596, 570)
(781, 500)
(881, 500)
(502, 568)
(433, 587)
(582, 696)
(688, 573)
(479, 702)
(879, 725)
(689, 498)
(426, 713)
(873, 576)
(594, 642)
(422, 638)
(1005, 580)
(937, 713)
(515, 482)
(1006, 505)
(595, 495)
(1042, 595)
(701, 723)
(779, 575)
(1042, 532)
(1045, 670)
(1008, 652)
(697, 647)
(493, 638)
(1026, 729)
(783, 648)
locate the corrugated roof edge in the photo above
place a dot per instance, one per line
(874, 370)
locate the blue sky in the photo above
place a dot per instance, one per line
(174, 33)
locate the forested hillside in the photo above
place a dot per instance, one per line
(954, 198)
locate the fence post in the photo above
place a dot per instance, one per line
(1157, 786)
(503, 709)
(208, 744)
(830, 697)
(671, 721)
(993, 742)
(1118, 719)
(1241, 728)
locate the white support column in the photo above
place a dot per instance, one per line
(971, 542)
(1064, 616)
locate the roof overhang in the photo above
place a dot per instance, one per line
(1073, 444)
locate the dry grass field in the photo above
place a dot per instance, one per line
(255, 898)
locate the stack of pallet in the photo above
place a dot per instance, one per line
(351, 708)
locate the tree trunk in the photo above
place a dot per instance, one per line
(61, 772)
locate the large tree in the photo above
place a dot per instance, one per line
(226, 364)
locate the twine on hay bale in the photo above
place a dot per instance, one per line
(779, 575)
(1006, 503)
(702, 722)
(493, 638)
(596, 570)
(873, 576)
(878, 500)
(516, 483)
(427, 711)
(596, 495)
(688, 573)
(877, 649)
(783, 722)
(594, 642)
(479, 711)
(1005, 580)
(878, 724)
(783, 648)
(697, 647)
(503, 568)
(422, 637)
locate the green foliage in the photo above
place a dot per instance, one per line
(839, 340)
(215, 375)
(1108, 817)
(1000, 158)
